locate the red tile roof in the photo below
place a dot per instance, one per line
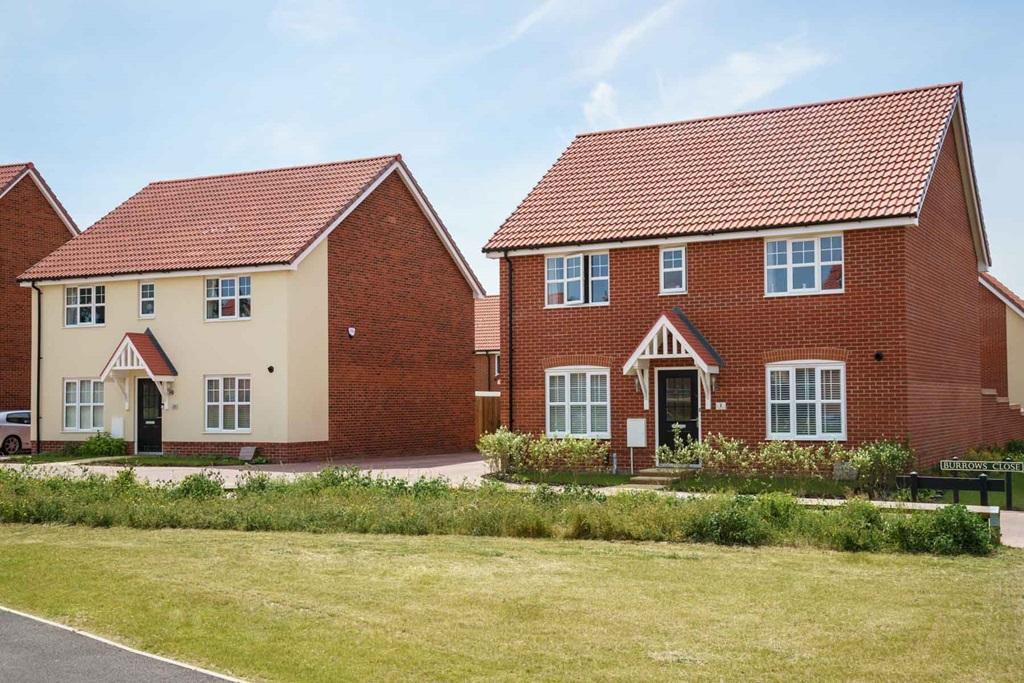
(700, 345)
(240, 219)
(149, 350)
(10, 173)
(487, 323)
(1007, 293)
(854, 159)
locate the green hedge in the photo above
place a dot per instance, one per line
(337, 500)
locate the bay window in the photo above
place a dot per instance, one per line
(811, 265)
(576, 279)
(577, 402)
(806, 400)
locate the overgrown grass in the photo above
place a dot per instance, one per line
(336, 500)
(801, 487)
(340, 607)
(599, 479)
(172, 461)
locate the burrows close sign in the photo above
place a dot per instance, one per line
(981, 466)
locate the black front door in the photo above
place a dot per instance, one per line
(677, 404)
(150, 418)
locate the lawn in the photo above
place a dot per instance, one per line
(325, 607)
(801, 487)
(172, 461)
(42, 458)
(563, 478)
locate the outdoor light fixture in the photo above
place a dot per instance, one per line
(270, 369)
(351, 332)
(879, 356)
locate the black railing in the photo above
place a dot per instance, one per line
(981, 483)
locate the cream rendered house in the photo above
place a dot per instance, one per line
(261, 309)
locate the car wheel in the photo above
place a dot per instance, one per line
(11, 445)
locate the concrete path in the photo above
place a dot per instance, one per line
(458, 468)
(36, 650)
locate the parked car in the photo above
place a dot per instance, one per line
(14, 431)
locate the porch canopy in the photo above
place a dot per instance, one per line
(140, 351)
(674, 336)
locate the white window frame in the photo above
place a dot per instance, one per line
(791, 367)
(220, 403)
(143, 298)
(220, 298)
(662, 270)
(817, 265)
(77, 306)
(497, 364)
(565, 372)
(78, 405)
(585, 278)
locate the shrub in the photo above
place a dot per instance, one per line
(503, 448)
(722, 453)
(878, 463)
(732, 521)
(1015, 447)
(545, 454)
(856, 525)
(951, 530)
(198, 486)
(101, 445)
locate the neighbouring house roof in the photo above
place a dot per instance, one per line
(854, 159)
(258, 218)
(487, 323)
(1007, 295)
(140, 348)
(12, 174)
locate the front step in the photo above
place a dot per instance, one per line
(658, 477)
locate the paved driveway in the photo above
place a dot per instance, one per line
(33, 651)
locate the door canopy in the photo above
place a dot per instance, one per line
(674, 336)
(139, 351)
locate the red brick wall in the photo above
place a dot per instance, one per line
(29, 230)
(404, 383)
(992, 313)
(943, 323)
(726, 301)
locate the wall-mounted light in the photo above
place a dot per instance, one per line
(351, 332)
(270, 369)
(879, 356)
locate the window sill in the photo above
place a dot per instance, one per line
(823, 292)
(227, 320)
(229, 432)
(81, 431)
(87, 326)
(671, 292)
(147, 317)
(597, 305)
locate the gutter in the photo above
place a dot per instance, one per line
(508, 362)
(39, 368)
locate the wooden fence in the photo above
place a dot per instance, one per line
(488, 414)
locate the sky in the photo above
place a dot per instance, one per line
(480, 98)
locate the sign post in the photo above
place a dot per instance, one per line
(1007, 467)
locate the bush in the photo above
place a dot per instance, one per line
(856, 525)
(878, 463)
(101, 445)
(951, 530)
(503, 448)
(720, 452)
(198, 486)
(1015, 447)
(733, 521)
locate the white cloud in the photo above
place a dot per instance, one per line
(601, 109)
(608, 55)
(741, 78)
(310, 21)
(524, 25)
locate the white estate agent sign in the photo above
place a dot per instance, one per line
(980, 466)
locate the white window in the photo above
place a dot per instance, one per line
(83, 405)
(806, 400)
(229, 298)
(228, 404)
(673, 270)
(812, 265)
(577, 402)
(147, 300)
(577, 279)
(497, 364)
(85, 306)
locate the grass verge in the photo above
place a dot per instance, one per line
(304, 607)
(599, 479)
(172, 461)
(44, 458)
(801, 487)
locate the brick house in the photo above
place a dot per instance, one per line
(32, 224)
(808, 273)
(487, 359)
(1002, 367)
(312, 312)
